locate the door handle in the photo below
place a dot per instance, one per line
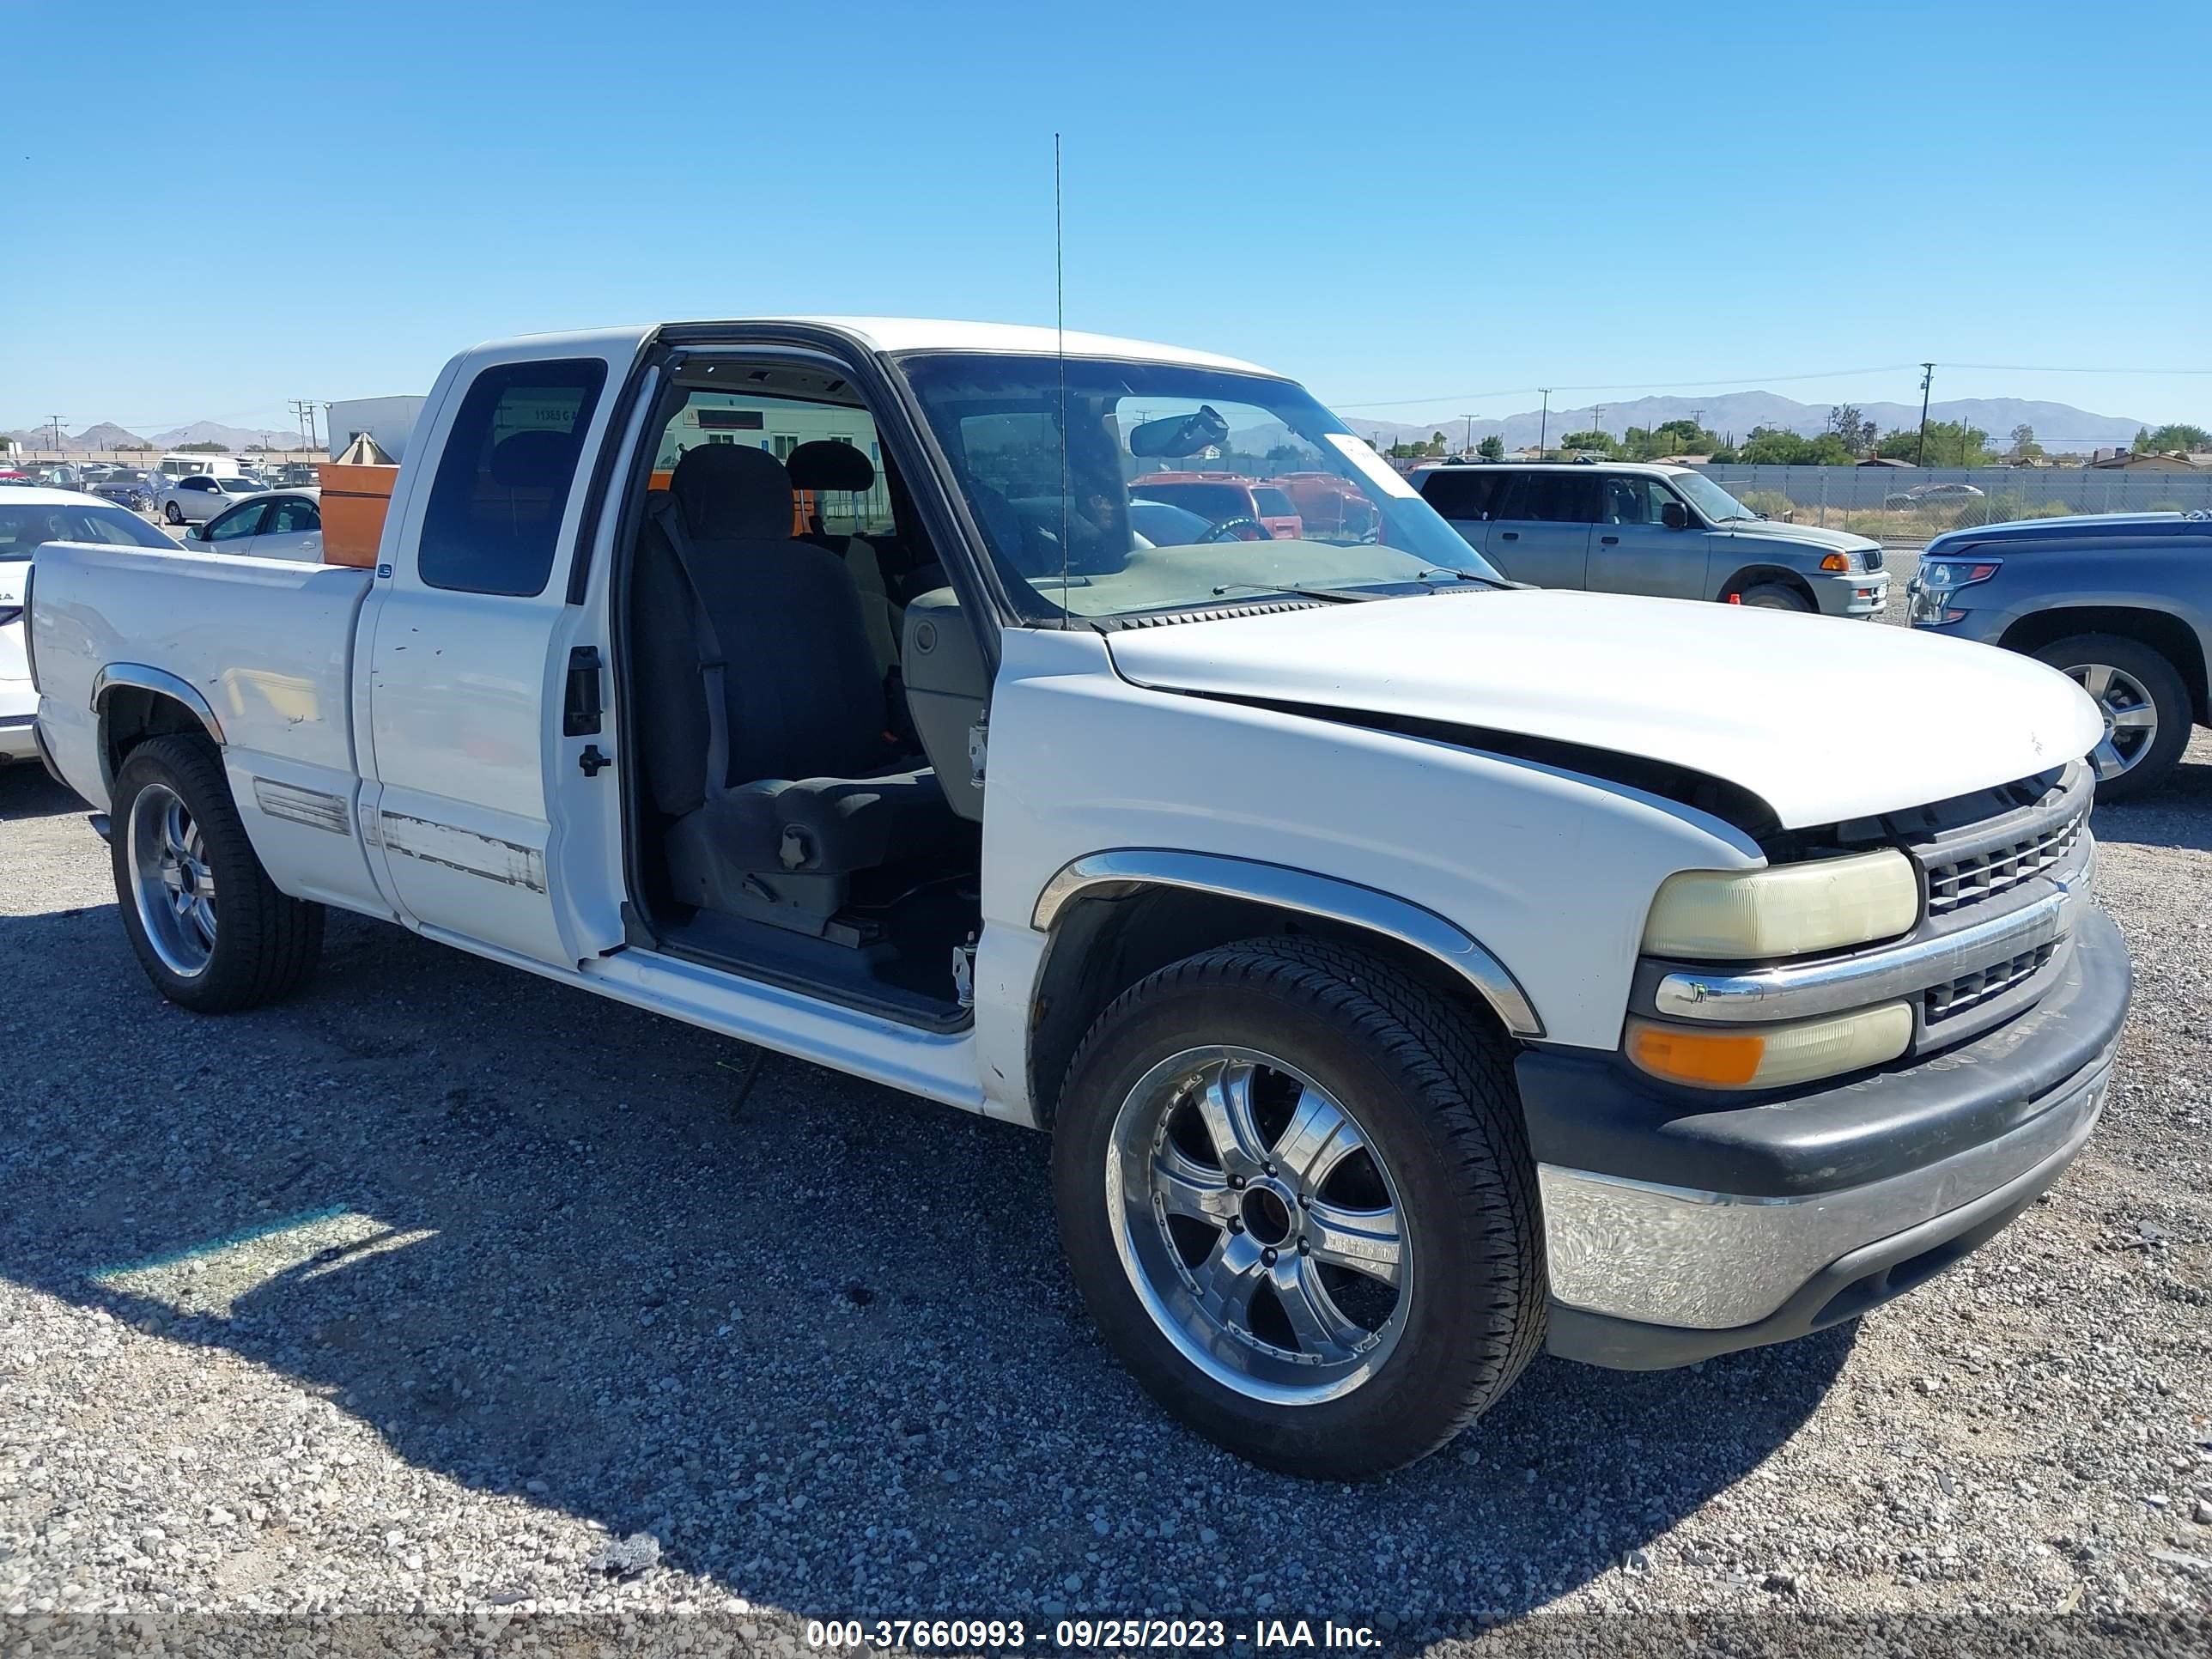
(1610, 541)
(1509, 535)
(580, 712)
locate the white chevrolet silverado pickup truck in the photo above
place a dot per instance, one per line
(1413, 970)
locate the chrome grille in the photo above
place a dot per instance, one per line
(1969, 990)
(1992, 869)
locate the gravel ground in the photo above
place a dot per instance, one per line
(430, 1290)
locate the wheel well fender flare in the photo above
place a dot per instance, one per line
(133, 699)
(1281, 887)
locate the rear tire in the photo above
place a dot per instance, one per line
(2146, 708)
(208, 926)
(1775, 595)
(1386, 1133)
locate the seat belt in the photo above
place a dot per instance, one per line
(707, 645)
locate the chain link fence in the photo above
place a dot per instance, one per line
(1908, 505)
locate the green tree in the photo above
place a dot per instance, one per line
(2173, 436)
(205, 448)
(1950, 443)
(1592, 440)
(1491, 448)
(1853, 427)
(1766, 446)
(2024, 447)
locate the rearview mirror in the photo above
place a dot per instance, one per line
(194, 532)
(1177, 437)
(1675, 515)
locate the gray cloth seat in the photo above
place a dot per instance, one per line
(813, 787)
(827, 465)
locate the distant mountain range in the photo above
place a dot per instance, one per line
(106, 434)
(2059, 428)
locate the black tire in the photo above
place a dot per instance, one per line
(1435, 1096)
(1774, 596)
(2150, 669)
(265, 944)
(171, 512)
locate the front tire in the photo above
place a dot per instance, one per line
(1295, 1190)
(2145, 708)
(208, 926)
(173, 514)
(1774, 596)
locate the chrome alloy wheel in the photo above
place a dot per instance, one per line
(2130, 717)
(170, 880)
(1259, 1226)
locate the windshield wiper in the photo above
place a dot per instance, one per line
(1326, 595)
(1460, 576)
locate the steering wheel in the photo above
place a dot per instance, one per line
(1219, 532)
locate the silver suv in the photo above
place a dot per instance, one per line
(1667, 531)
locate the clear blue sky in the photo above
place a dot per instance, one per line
(1390, 202)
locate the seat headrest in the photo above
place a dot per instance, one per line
(732, 493)
(534, 460)
(825, 464)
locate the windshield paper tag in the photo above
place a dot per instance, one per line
(1372, 467)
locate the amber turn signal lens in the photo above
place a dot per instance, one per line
(1770, 1056)
(1718, 1059)
(1834, 562)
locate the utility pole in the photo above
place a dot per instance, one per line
(55, 422)
(1467, 448)
(1597, 419)
(1927, 378)
(1543, 426)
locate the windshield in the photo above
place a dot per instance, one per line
(25, 527)
(1202, 441)
(1708, 498)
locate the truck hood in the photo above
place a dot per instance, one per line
(1803, 535)
(1820, 718)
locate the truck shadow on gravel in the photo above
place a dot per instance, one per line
(2178, 813)
(818, 1340)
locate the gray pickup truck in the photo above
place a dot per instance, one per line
(2122, 602)
(1641, 527)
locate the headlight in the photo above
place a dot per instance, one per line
(1939, 581)
(1786, 910)
(1770, 1056)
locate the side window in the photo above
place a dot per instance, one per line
(237, 525)
(1549, 498)
(292, 516)
(503, 482)
(1461, 492)
(1562, 498)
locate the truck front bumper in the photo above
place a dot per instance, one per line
(1675, 1231)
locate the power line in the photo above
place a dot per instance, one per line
(1746, 381)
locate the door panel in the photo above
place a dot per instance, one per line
(478, 787)
(1540, 532)
(1633, 552)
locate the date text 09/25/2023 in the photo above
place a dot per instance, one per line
(1087, 1635)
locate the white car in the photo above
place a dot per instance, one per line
(279, 524)
(196, 499)
(1414, 971)
(30, 517)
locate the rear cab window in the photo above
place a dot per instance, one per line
(503, 481)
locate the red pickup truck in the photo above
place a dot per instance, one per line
(1224, 498)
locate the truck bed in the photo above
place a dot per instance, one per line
(267, 644)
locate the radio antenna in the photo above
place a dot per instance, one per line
(1060, 333)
